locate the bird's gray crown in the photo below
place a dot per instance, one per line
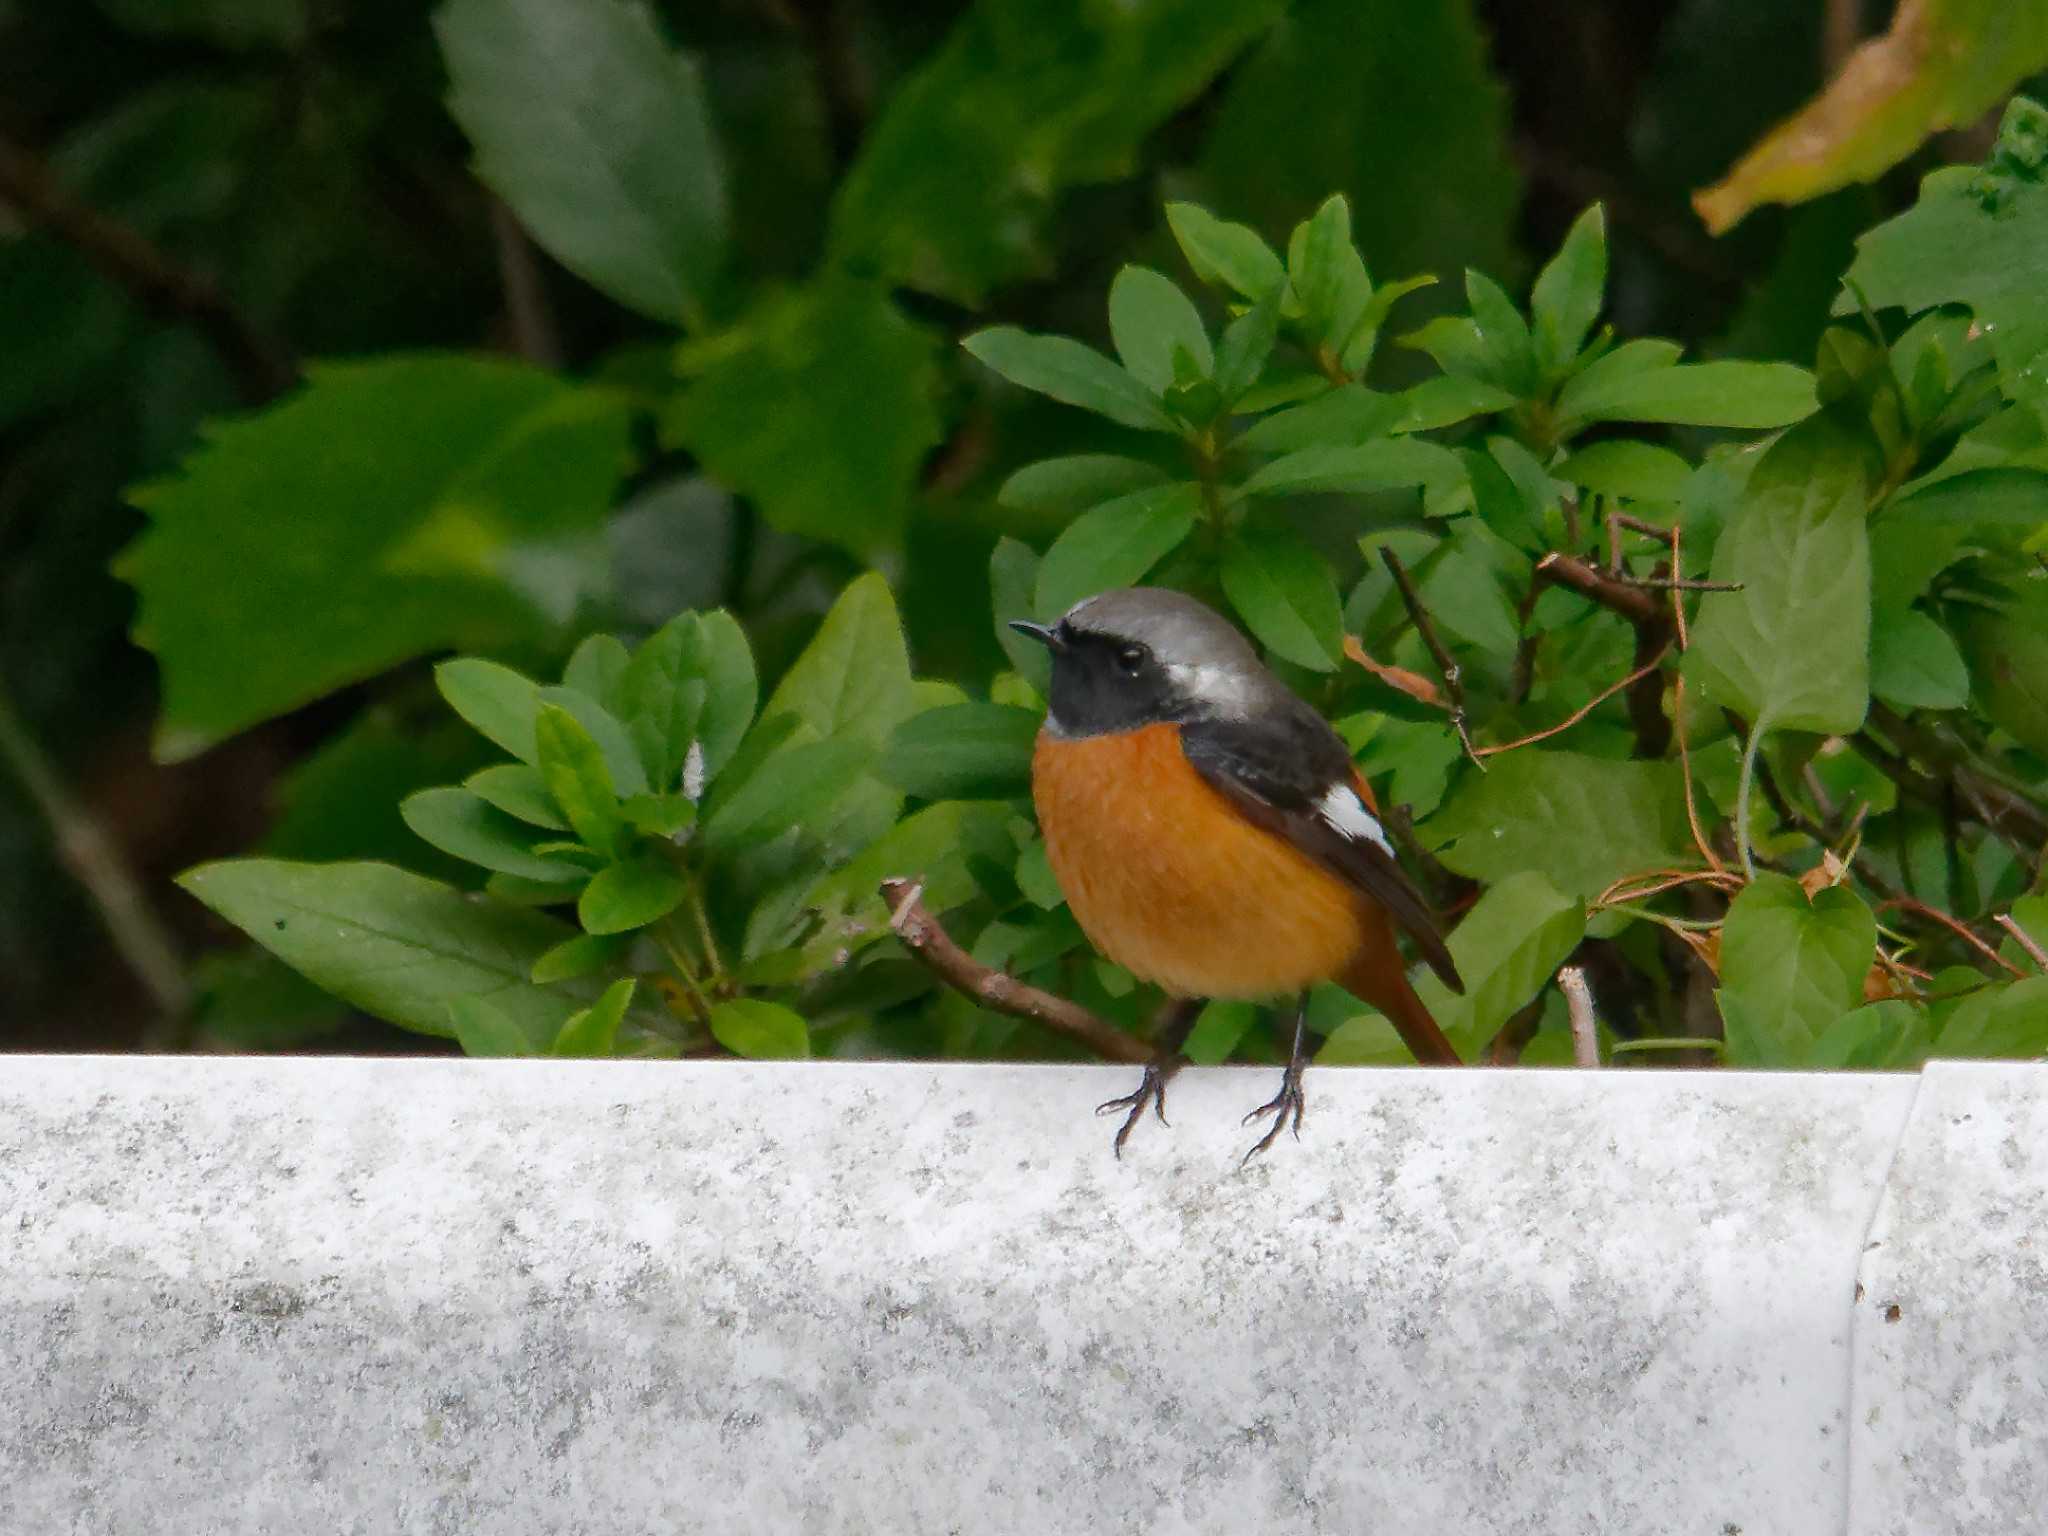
(1179, 630)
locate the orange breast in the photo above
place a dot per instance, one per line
(1169, 881)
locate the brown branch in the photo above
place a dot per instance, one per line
(1956, 926)
(933, 948)
(1445, 664)
(1581, 712)
(1578, 999)
(527, 313)
(261, 366)
(1654, 631)
(2024, 939)
(1996, 806)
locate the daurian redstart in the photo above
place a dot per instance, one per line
(1212, 836)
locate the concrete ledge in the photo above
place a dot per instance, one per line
(439, 1296)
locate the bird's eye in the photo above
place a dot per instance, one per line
(1131, 660)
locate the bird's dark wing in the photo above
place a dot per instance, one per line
(1293, 776)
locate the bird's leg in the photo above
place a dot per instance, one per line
(1286, 1106)
(1175, 1022)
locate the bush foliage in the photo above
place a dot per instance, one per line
(1725, 678)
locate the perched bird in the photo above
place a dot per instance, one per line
(1212, 836)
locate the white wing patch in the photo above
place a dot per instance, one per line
(1343, 810)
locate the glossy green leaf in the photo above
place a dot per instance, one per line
(1384, 465)
(594, 1031)
(853, 679)
(1070, 373)
(1233, 255)
(1507, 948)
(486, 1031)
(391, 508)
(582, 955)
(1076, 483)
(692, 681)
(1621, 466)
(1889, 1036)
(760, 1030)
(631, 895)
(1115, 545)
(1446, 400)
(1329, 276)
(1149, 320)
(573, 765)
(621, 757)
(962, 752)
(2006, 1020)
(1013, 588)
(1569, 292)
(793, 787)
(1502, 334)
(599, 135)
(500, 704)
(520, 792)
(1285, 593)
(393, 944)
(1348, 416)
(466, 826)
(1247, 344)
(1694, 394)
(1914, 664)
(597, 668)
(1023, 100)
(1583, 821)
(1792, 965)
(1792, 647)
(844, 467)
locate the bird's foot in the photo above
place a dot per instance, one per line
(1286, 1107)
(1151, 1090)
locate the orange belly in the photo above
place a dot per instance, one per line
(1168, 880)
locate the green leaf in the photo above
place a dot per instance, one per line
(1792, 647)
(1974, 238)
(229, 23)
(1503, 334)
(1286, 595)
(1115, 545)
(1218, 1029)
(573, 765)
(1507, 948)
(962, 752)
(1569, 292)
(391, 943)
(1584, 821)
(1943, 64)
(955, 181)
(388, 509)
(499, 703)
(1013, 587)
(1890, 1035)
(520, 792)
(598, 135)
(1383, 465)
(1621, 466)
(621, 758)
(1446, 400)
(1693, 394)
(844, 467)
(1232, 255)
(853, 679)
(1915, 665)
(594, 1031)
(1077, 483)
(2008, 651)
(2007, 1020)
(1365, 333)
(485, 1031)
(759, 1030)
(1070, 373)
(463, 824)
(794, 785)
(692, 681)
(1149, 319)
(1793, 966)
(667, 815)
(580, 956)
(1247, 344)
(1328, 275)
(631, 895)
(1418, 122)
(597, 668)
(1347, 416)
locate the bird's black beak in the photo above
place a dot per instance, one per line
(1045, 634)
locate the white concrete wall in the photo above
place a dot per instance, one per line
(509, 1297)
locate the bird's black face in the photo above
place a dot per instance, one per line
(1103, 683)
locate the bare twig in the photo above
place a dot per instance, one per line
(1578, 714)
(1692, 810)
(261, 366)
(929, 943)
(1578, 999)
(97, 863)
(527, 312)
(2025, 939)
(1956, 926)
(1445, 664)
(1654, 631)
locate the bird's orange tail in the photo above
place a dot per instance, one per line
(1377, 976)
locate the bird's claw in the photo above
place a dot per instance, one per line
(1286, 1107)
(1151, 1090)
